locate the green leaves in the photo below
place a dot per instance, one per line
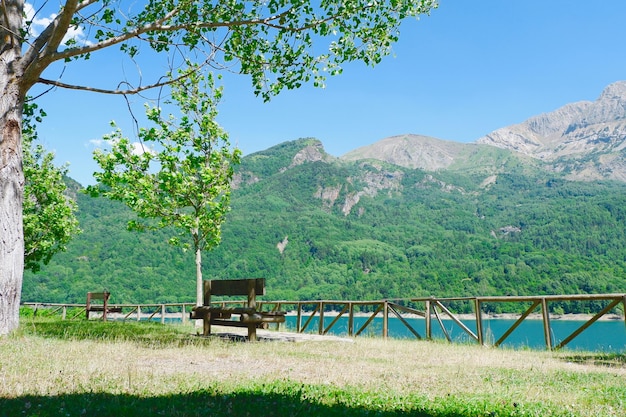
(178, 172)
(48, 211)
(286, 43)
(278, 43)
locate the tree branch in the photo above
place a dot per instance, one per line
(160, 26)
(37, 57)
(155, 26)
(114, 92)
(59, 27)
(50, 39)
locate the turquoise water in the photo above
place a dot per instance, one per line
(602, 336)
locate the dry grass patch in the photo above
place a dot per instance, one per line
(435, 371)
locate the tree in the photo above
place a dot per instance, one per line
(278, 43)
(186, 182)
(49, 221)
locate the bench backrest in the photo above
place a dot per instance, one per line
(250, 287)
(104, 296)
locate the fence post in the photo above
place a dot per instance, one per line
(320, 327)
(351, 319)
(385, 319)
(479, 321)
(546, 323)
(427, 314)
(299, 318)
(624, 303)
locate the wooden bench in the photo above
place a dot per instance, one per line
(101, 307)
(249, 316)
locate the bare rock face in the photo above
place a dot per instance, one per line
(311, 153)
(328, 195)
(433, 155)
(585, 139)
(373, 183)
(410, 151)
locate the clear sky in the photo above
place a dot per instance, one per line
(467, 69)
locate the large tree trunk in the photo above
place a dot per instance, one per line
(11, 173)
(11, 192)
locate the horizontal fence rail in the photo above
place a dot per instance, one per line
(176, 312)
(431, 309)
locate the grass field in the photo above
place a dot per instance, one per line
(78, 368)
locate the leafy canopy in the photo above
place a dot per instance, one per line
(279, 43)
(179, 172)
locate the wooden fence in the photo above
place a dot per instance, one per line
(431, 309)
(175, 312)
(435, 309)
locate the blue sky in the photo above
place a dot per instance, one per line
(467, 69)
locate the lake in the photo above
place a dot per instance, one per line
(602, 336)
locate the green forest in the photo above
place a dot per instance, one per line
(526, 231)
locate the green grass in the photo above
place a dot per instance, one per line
(92, 368)
(149, 334)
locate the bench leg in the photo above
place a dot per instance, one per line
(252, 333)
(207, 325)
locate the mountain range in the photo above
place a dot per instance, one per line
(535, 208)
(583, 141)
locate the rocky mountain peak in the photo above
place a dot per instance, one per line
(615, 91)
(410, 151)
(312, 152)
(584, 139)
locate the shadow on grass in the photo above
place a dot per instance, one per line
(203, 403)
(613, 360)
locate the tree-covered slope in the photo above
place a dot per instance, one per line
(520, 236)
(135, 267)
(317, 227)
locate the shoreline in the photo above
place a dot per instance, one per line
(485, 316)
(465, 317)
(539, 316)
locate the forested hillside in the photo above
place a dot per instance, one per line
(322, 228)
